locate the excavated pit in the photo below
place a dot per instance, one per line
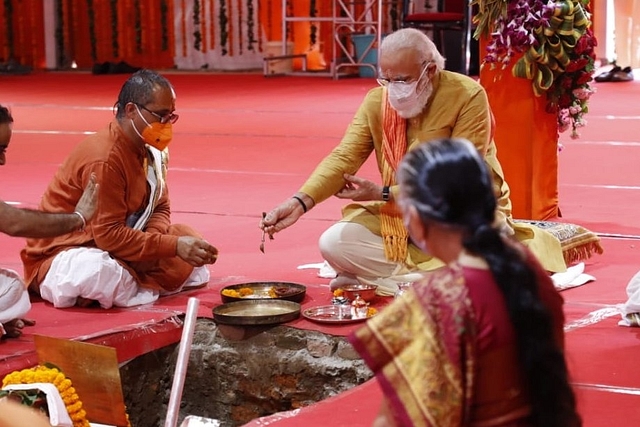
(238, 374)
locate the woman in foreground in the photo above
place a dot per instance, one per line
(480, 342)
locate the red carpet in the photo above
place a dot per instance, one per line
(243, 143)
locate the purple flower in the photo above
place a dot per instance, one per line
(518, 30)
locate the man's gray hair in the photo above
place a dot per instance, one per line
(139, 89)
(416, 40)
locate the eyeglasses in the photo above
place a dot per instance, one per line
(386, 82)
(167, 118)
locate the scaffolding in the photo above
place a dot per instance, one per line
(356, 27)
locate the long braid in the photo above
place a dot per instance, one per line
(552, 399)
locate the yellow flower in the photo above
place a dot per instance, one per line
(63, 385)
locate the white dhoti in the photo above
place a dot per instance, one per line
(14, 298)
(630, 310)
(357, 255)
(93, 274)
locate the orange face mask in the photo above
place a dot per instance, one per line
(156, 134)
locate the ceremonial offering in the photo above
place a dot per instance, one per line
(263, 290)
(338, 313)
(366, 292)
(360, 307)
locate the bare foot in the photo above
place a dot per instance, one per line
(85, 302)
(342, 280)
(14, 327)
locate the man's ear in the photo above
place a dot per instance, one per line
(130, 110)
(431, 70)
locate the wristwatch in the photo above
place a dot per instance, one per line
(385, 193)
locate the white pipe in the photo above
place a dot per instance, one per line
(181, 364)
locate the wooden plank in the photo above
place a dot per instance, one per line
(93, 370)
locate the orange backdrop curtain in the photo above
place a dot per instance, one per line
(139, 32)
(89, 31)
(21, 37)
(526, 136)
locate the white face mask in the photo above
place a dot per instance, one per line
(405, 98)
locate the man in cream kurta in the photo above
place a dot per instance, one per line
(130, 253)
(434, 103)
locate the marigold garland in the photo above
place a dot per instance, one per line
(197, 35)
(223, 21)
(43, 374)
(313, 31)
(250, 24)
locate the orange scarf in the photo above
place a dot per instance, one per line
(394, 147)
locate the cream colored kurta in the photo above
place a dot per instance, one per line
(458, 108)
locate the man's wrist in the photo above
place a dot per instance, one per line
(83, 223)
(305, 201)
(301, 202)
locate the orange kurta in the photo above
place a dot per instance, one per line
(118, 163)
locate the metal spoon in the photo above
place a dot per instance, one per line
(264, 214)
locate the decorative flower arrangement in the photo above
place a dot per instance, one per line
(570, 94)
(44, 374)
(555, 47)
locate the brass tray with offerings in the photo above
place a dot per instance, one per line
(263, 291)
(256, 312)
(338, 314)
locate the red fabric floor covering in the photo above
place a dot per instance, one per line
(244, 143)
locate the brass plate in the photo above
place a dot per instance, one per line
(332, 314)
(285, 290)
(256, 312)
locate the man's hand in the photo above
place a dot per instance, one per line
(359, 189)
(196, 252)
(285, 214)
(88, 203)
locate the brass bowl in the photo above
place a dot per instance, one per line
(256, 312)
(366, 292)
